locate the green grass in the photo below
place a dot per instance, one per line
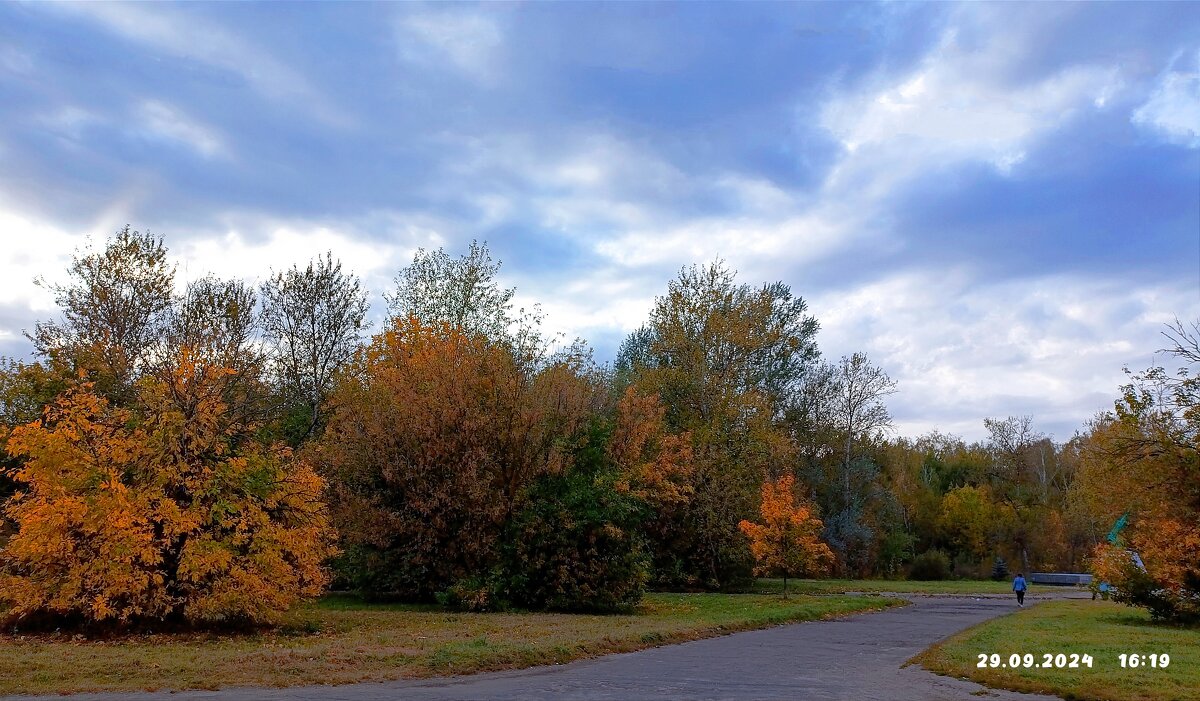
(839, 586)
(1101, 629)
(340, 640)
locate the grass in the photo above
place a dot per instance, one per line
(962, 587)
(341, 640)
(1101, 629)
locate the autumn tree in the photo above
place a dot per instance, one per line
(114, 309)
(971, 522)
(1142, 460)
(313, 319)
(787, 542)
(436, 435)
(171, 512)
(720, 356)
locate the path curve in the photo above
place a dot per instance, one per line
(858, 657)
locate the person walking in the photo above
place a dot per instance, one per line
(1019, 587)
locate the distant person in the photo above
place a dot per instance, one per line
(1019, 587)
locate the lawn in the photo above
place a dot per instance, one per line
(963, 587)
(1101, 629)
(340, 640)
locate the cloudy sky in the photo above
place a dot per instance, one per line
(999, 203)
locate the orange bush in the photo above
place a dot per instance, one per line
(164, 514)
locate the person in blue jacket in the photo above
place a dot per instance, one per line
(1019, 587)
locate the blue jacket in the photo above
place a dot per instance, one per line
(1019, 584)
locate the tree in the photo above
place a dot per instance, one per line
(1142, 460)
(170, 513)
(720, 356)
(216, 324)
(969, 521)
(788, 541)
(653, 465)
(460, 292)
(859, 388)
(313, 318)
(838, 416)
(435, 437)
(1017, 453)
(114, 310)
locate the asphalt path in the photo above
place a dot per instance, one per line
(859, 657)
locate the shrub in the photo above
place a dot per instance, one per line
(164, 515)
(575, 546)
(930, 565)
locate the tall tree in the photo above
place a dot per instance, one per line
(859, 389)
(461, 292)
(721, 356)
(1143, 460)
(314, 318)
(114, 309)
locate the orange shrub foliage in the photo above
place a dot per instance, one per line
(788, 542)
(166, 514)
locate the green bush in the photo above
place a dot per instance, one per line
(930, 565)
(576, 544)
(573, 547)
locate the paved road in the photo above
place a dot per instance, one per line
(853, 658)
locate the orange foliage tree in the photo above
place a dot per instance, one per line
(434, 436)
(788, 541)
(169, 511)
(1143, 460)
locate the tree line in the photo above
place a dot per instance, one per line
(216, 455)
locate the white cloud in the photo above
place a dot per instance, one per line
(466, 41)
(1050, 346)
(30, 249)
(1173, 109)
(956, 107)
(162, 121)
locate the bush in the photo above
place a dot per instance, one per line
(575, 546)
(573, 549)
(930, 565)
(160, 516)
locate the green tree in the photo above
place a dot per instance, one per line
(114, 310)
(722, 357)
(313, 319)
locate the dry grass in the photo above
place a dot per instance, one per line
(340, 640)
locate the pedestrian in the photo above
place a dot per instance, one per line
(1019, 587)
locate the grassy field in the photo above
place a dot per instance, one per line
(342, 640)
(1101, 629)
(840, 586)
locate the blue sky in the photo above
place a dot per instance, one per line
(999, 203)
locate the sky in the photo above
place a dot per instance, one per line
(998, 203)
